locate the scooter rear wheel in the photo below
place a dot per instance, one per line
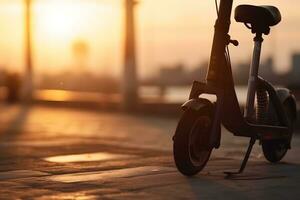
(275, 150)
(190, 147)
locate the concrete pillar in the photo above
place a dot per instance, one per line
(130, 82)
(27, 92)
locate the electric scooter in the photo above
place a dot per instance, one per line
(269, 113)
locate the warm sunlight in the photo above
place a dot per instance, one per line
(58, 24)
(168, 32)
(68, 19)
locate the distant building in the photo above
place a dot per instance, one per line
(174, 72)
(198, 73)
(241, 73)
(172, 75)
(266, 69)
(295, 71)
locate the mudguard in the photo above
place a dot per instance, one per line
(286, 96)
(199, 104)
(196, 104)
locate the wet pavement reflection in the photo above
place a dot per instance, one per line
(88, 157)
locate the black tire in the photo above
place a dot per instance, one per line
(193, 130)
(275, 150)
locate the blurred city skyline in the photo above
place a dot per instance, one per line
(168, 32)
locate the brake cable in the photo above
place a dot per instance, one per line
(227, 53)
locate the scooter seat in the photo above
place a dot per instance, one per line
(258, 15)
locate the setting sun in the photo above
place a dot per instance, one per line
(69, 19)
(58, 24)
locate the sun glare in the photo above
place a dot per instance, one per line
(70, 18)
(58, 24)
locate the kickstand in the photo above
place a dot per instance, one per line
(244, 163)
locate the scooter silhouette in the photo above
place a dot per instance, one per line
(269, 114)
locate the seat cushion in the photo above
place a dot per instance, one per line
(258, 15)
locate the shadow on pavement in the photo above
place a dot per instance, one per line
(15, 126)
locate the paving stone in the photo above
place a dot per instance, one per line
(107, 175)
(88, 157)
(68, 196)
(58, 153)
(29, 193)
(20, 174)
(133, 195)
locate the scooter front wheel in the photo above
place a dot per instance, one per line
(190, 147)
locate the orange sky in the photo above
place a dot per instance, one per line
(169, 31)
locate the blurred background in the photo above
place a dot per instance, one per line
(103, 50)
(91, 93)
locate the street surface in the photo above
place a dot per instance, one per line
(60, 153)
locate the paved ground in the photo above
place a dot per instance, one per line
(55, 153)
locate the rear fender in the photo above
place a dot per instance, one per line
(286, 96)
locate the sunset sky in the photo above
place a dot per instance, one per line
(168, 32)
